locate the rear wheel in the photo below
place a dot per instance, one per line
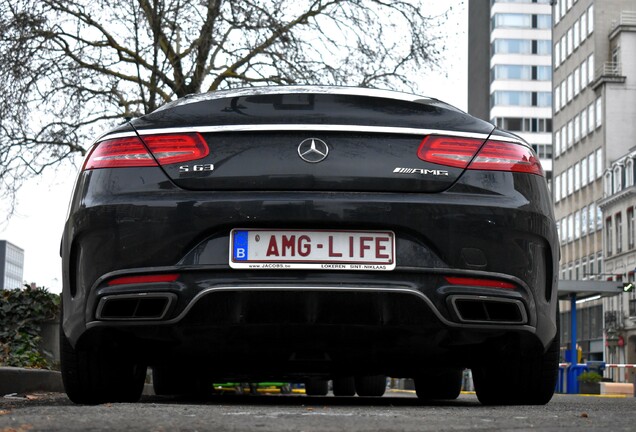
(370, 385)
(93, 375)
(439, 384)
(344, 386)
(517, 378)
(316, 387)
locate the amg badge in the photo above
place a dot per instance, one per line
(420, 171)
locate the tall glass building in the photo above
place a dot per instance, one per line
(510, 69)
(11, 265)
(594, 160)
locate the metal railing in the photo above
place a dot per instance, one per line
(609, 69)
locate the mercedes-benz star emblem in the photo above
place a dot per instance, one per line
(313, 150)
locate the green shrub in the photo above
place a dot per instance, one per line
(590, 377)
(21, 312)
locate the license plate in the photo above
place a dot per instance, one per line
(312, 249)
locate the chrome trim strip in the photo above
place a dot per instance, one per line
(418, 294)
(171, 297)
(522, 310)
(312, 128)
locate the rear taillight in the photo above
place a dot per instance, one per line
(474, 154)
(131, 151)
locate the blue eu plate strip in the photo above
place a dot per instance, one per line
(240, 246)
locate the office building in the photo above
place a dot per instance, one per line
(510, 69)
(594, 93)
(11, 265)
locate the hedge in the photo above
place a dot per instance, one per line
(21, 312)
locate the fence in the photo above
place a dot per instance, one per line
(569, 373)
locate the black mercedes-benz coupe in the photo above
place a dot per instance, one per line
(307, 234)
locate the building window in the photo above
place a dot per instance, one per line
(577, 225)
(577, 128)
(544, 47)
(590, 20)
(564, 184)
(563, 48)
(583, 122)
(618, 220)
(630, 228)
(599, 163)
(521, 98)
(544, 99)
(512, 20)
(577, 81)
(599, 218)
(608, 184)
(577, 38)
(583, 69)
(570, 228)
(577, 176)
(512, 46)
(512, 72)
(583, 26)
(632, 307)
(563, 95)
(618, 179)
(598, 112)
(590, 117)
(570, 87)
(544, 73)
(608, 237)
(584, 222)
(543, 21)
(629, 172)
(584, 179)
(590, 68)
(570, 181)
(512, 98)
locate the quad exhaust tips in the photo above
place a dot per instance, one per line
(134, 307)
(486, 309)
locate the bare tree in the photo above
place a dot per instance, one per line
(71, 68)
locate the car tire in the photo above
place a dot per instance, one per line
(370, 385)
(94, 376)
(344, 386)
(168, 380)
(316, 387)
(518, 379)
(440, 384)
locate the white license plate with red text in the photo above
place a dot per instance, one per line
(312, 249)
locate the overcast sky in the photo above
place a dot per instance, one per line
(38, 222)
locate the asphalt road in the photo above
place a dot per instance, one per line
(393, 412)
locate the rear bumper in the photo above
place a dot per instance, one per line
(288, 330)
(458, 232)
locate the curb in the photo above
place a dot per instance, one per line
(22, 380)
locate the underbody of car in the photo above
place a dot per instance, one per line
(307, 234)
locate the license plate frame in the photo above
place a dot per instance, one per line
(314, 249)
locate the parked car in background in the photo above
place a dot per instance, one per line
(307, 234)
